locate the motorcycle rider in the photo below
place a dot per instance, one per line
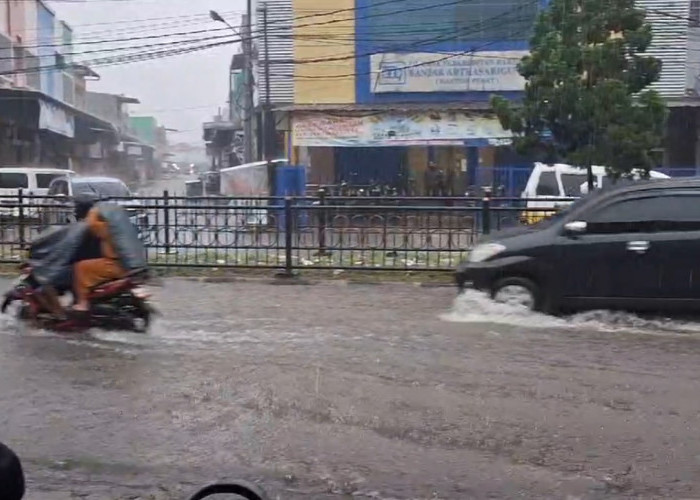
(110, 265)
(49, 294)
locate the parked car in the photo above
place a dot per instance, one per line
(551, 187)
(62, 190)
(634, 246)
(32, 182)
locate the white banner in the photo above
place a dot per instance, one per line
(55, 119)
(395, 129)
(432, 72)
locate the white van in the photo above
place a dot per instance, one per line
(32, 182)
(548, 182)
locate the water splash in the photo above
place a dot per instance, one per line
(476, 307)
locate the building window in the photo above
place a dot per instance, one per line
(6, 55)
(694, 15)
(497, 20)
(445, 22)
(60, 61)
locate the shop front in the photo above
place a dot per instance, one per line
(40, 129)
(396, 149)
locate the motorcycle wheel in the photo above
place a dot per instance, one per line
(142, 316)
(24, 313)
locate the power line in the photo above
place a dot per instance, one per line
(332, 21)
(136, 29)
(184, 33)
(135, 57)
(130, 39)
(150, 45)
(158, 54)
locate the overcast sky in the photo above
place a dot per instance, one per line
(196, 81)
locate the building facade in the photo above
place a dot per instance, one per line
(46, 115)
(383, 89)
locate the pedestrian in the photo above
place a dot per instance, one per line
(432, 179)
(11, 475)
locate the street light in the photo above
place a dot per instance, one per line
(215, 16)
(248, 84)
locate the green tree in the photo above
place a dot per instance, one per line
(585, 100)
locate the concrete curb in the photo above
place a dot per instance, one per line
(296, 281)
(159, 281)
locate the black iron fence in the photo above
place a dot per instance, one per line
(381, 233)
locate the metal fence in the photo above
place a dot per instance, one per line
(284, 233)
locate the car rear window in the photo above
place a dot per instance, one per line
(44, 180)
(548, 185)
(13, 180)
(572, 184)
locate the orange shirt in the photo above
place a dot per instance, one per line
(99, 228)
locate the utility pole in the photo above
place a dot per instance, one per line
(246, 38)
(269, 132)
(248, 153)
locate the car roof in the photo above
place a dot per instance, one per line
(616, 191)
(565, 168)
(88, 180)
(655, 184)
(36, 170)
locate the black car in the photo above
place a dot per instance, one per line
(633, 247)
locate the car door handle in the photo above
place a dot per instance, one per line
(638, 246)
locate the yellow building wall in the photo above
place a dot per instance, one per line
(324, 37)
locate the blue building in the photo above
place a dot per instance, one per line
(415, 87)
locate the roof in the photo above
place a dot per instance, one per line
(83, 70)
(254, 164)
(397, 107)
(38, 95)
(39, 170)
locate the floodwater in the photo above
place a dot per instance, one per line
(337, 391)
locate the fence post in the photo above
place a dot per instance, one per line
(486, 215)
(322, 223)
(166, 221)
(20, 217)
(288, 232)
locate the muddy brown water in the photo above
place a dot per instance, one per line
(332, 391)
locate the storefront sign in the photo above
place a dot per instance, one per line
(134, 150)
(395, 129)
(347, 130)
(432, 72)
(56, 119)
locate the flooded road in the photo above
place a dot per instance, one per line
(332, 391)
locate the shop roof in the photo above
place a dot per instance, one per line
(397, 107)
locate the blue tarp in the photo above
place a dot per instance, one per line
(125, 236)
(52, 254)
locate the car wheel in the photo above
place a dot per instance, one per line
(520, 292)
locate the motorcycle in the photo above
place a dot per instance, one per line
(121, 304)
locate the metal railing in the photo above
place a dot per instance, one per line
(292, 233)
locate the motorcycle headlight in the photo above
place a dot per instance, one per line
(483, 252)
